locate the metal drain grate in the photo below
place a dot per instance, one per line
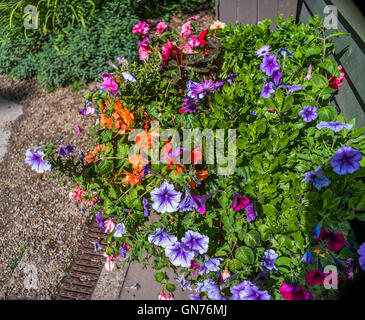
(85, 272)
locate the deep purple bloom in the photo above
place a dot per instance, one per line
(188, 203)
(201, 202)
(318, 179)
(119, 230)
(122, 252)
(335, 126)
(65, 150)
(83, 111)
(346, 160)
(268, 90)
(308, 258)
(210, 265)
(145, 207)
(251, 212)
(269, 65)
(269, 259)
(165, 198)
(161, 238)
(194, 296)
(285, 52)
(146, 171)
(277, 77)
(361, 252)
(99, 220)
(263, 51)
(309, 113)
(230, 78)
(291, 89)
(253, 112)
(35, 159)
(190, 105)
(179, 255)
(350, 269)
(246, 290)
(195, 241)
(201, 89)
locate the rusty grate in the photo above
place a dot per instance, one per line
(85, 272)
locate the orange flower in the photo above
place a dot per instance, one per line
(178, 168)
(145, 139)
(105, 121)
(137, 161)
(91, 156)
(132, 178)
(202, 175)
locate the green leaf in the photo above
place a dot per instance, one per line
(160, 276)
(283, 261)
(312, 51)
(338, 34)
(264, 231)
(234, 265)
(328, 113)
(170, 287)
(245, 255)
(252, 238)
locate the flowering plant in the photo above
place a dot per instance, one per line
(298, 169)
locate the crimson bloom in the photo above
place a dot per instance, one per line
(289, 292)
(239, 202)
(202, 36)
(335, 240)
(314, 277)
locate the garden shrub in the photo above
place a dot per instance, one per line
(264, 231)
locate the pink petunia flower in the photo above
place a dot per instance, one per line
(144, 49)
(109, 225)
(334, 82)
(193, 18)
(194, 42)
(186, 30)
(161, 26)
(141, 27)
(272, 110)
(109, 84)
(166, 50)
(79, 130)
(187, 49)
(293, 293)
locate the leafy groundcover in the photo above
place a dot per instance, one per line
(268, 215)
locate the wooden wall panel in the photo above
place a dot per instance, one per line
(247, 11)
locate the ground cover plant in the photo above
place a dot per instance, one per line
(270, 218)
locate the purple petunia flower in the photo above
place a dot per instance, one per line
(97, 245)
(251, 212)
(246, 290)
(146, 171)
(201, 202)
(165, 198)
(263, 51)
(211, 288)
(309, 113)
(188, 203)
(269, 259)
(99, 220)
(269, 65)
(361, 252)
(350, 268)
(65, 150)
(277, 77)
(184, 284)
(119, 230)
(145, 207)
(161, 238)
(195, 241)
(122, 252)
(129, 77)
(230, 78)
(253, 112)
(194, 296)
(308, 258)
(36, 160)
(210, 265)
(346, 160)
(268, 90)
(291, 89)
(190, 105)
(335, 126)
(285, 52)
(179, 255)
(83, 111)
(201, 89)
(318, 179)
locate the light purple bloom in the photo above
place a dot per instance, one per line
(129, 77)
(161, 238)
(119, 230)
(97, 245)
(253, 112)
(263, 51)
(36, 160)
(269, 259)
(277, 77)
(318, 179)
(308, 258)
(179, 255)
(65, 150)
(251, 212)
(269, 65)
(309, 113)
(99, 220)
(210, 265)
(201, 202)
(246, 290)
(195, 241)
(211, 288)
(201, 89)
(190, 85)
(121, 61)
(346, 160)
(188, 203)
(165, 198)
(335, 126)
(145, 207)
(190, 105)
(183, 283)
(291, 89)
(194, 296)
(285, 52)
(268, 90)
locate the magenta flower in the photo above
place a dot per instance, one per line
(186, 30)
(201, 202)
(269, 65)
(141, 27)
(161, 26)
(79, 130)
(309, 113)
(263, 51)
(36, 160)
(193, 42)
(346, 160)
(195, 241)
(109, 83)
(166, 50)
(294, 292)
(144, 49)
(193, 18)
(239, 202)
(251, 212)
(335, 241)
(314, 277)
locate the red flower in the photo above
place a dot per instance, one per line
(202, 36)
(314, 277)
(335, 240)
(196, 155)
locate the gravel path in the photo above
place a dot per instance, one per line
(40, 227)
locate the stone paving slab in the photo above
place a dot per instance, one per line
(9, 111)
